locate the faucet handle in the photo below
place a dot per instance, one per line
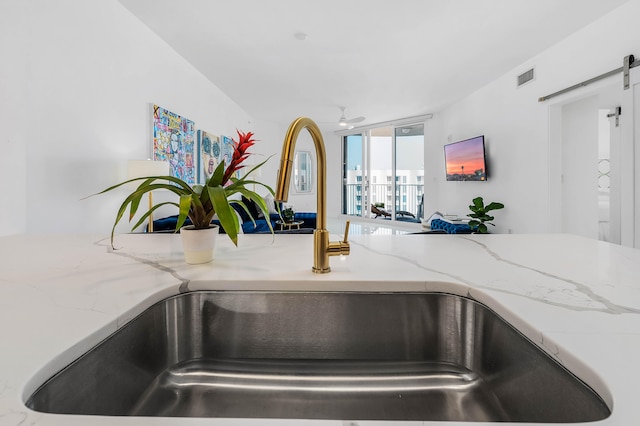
(340, 248)
(346, 232)
(343, 247)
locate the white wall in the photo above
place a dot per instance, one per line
(82, 77)
(516, 125)
(13, 157)
(270, 136)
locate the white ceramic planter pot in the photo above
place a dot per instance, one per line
(199, 244)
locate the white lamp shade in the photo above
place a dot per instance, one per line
(255, 174)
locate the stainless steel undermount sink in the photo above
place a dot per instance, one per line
(346, 356)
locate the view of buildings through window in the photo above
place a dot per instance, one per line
(384, 173)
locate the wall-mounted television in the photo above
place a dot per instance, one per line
(465, 160)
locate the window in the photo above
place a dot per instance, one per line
(409, 163)
(352, 174)
(386, 165)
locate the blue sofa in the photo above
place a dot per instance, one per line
(257, 226)
(450, 228)
(308, 223)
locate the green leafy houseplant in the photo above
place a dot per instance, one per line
(201, 202)
(479, 217)
(288, 215)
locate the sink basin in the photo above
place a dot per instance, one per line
(343, 356)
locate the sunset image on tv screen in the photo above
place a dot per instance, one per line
(465, 160)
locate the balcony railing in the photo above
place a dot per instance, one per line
(408, 198)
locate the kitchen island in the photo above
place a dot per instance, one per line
(578, 299)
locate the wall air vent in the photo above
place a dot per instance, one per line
(525, 77)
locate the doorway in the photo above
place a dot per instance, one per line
(586, 149)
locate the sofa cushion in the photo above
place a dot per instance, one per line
(168, 224)
(255, 212)
(260, 226)
(450, 228)
(244, 216)
(272, 205)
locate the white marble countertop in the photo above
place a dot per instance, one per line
(579, 299)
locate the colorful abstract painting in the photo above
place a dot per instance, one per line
(209, 154)
(174, 141)
(226, 144)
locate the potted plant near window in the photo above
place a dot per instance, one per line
(201, 202)
(479, 215)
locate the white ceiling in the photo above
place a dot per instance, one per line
(382, 59)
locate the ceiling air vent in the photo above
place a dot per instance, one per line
(525, 77)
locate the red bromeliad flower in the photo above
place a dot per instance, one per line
(240, 154)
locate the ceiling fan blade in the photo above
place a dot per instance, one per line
(343, 121)
(354, 120)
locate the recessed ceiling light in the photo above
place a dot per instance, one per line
(300, 36)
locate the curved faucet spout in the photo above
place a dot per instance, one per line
(322, 247)
(286, 165)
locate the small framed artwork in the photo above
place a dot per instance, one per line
(174, 141)
(209, 154)
(226, 145)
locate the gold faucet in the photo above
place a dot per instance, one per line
(322, 248)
